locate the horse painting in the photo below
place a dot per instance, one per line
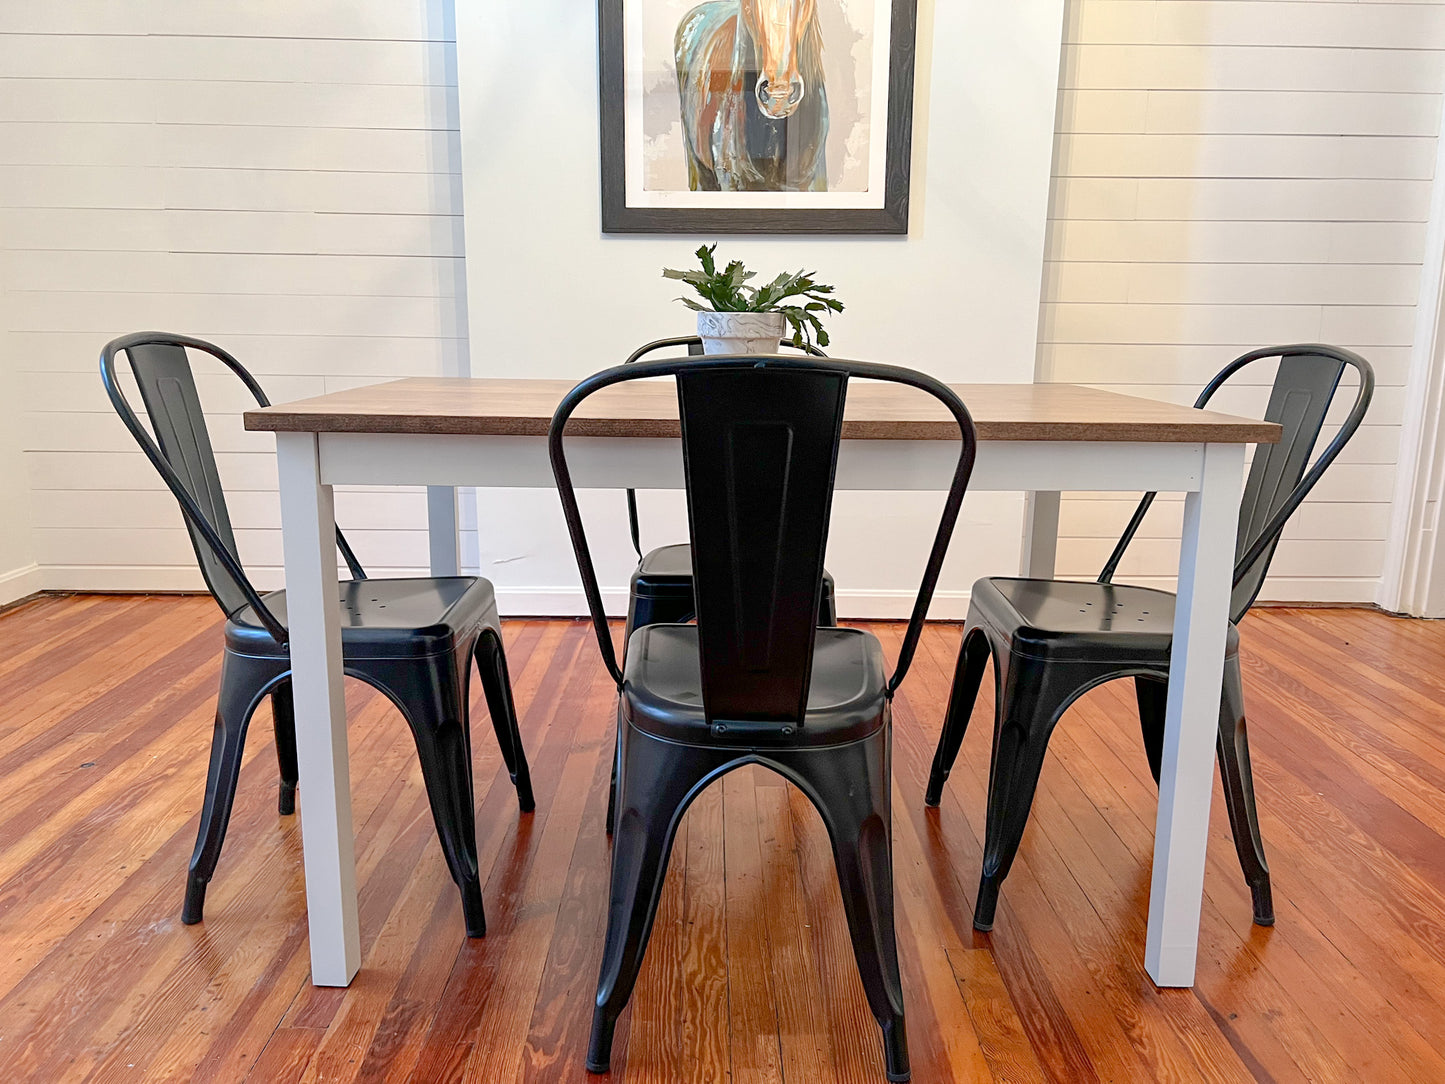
(754, 108)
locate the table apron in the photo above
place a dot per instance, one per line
(654, 463)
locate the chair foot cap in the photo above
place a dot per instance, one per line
(286, 800)
(1263, 904)
(525, 800)
(195, 901)
(472, 912)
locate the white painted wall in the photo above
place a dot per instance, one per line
(1231, 174)
(279, 178)
(285, 179)
(550, 296)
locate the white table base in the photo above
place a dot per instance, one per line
(1209, 474)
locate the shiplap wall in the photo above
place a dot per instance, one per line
(1230, 174)
(282, 179)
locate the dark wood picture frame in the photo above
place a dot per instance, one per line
(891, 218)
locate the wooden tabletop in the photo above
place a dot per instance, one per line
(648, 408)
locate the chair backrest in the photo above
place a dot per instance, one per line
(1305, 384)
(181, 452)
(694, 349)
(760, 445)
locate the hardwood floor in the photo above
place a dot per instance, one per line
(103, 744)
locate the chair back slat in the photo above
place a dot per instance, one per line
(168, 389)
(1304, 387)
(694, 350)
(1281, 475)
(760, 446)
(178, 445)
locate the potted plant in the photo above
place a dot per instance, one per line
(742, 319)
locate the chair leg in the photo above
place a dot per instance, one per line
(497, 685)
(1234, 769)
(283, 713)
(241, 677)
(643, 610)
(432, 696)
(851, 787)
(1152, 694)
(828, 603)
(1034, 698)
(612, 786)
(657, 779)
(973, 655)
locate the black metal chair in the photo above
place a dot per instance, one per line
(414, 639)
(1052, 640)
(756, 680)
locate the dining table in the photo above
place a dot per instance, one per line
(1042, 439)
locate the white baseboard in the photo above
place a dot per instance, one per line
(857, 605)
(137, 578)
(20, 582)
(568, 601)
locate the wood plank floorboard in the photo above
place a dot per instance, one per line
(749, 976)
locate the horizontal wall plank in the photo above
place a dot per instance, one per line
(1236, 242)
(1316, 519)
(1093, 155)
(128, 188)
(377, 357)
(359, 314)
(398, 509)
(1207, 199)
(231, 59)
(1234, 284)
(1258, 23)
(148, 546)
(248, 102)
(230, 146)
(1186, 366)
(1160, 557)
(230, 273)
(413, 19)
(82, 230)
(1198, 67)
(131, 470)
(1248, 112)
(1364, 325)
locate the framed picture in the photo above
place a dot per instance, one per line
(756, 116)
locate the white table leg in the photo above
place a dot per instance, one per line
(1041, 535)
(441, 525)
(1196, 666)
(308, 522)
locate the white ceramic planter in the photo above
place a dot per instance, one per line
(740, 332)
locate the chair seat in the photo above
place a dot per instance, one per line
(382, 618)
(1062, 620)
(662, 689)
(665, 572)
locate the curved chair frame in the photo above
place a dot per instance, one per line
(756, 712)
(1039, 673)
(429, 689)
